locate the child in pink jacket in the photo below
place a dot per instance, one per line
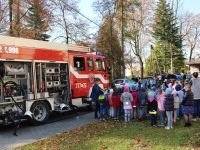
(161, 109)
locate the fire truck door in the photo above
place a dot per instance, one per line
(80, 77)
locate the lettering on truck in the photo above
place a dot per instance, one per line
(9, 50)
(81, 85)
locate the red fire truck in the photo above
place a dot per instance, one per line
(39, 77)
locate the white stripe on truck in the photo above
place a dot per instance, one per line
(85, 76)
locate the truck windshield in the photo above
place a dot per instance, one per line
(100, 65)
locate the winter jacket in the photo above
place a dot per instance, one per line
(142, 97)
(169, 103)
(96, 91)
(135, 99)
(126, 99)
(152, 106)
(188, 99)
(116, 100)
(196, 88)
(161, 100)
(180, 96)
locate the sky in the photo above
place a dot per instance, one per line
(86, 8)
(188, 5)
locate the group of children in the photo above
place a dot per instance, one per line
(168, 104)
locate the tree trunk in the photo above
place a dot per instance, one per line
(190, 57)
(141, 67)
(11, 16)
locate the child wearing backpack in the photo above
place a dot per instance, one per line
(102, 105)
(127, 99)
(152, 107)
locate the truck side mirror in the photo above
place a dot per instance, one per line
(109, 70)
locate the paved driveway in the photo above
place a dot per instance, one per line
(29, 134)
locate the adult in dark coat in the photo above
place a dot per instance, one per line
(96, 92)
(188, 103)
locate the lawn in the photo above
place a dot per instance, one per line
(119, 136)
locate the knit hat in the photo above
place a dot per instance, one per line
(178, 87)
(126, 89)
(170, 85)
(168, 91)
(153, 88)
(134, 88)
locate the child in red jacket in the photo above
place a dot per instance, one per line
(134, 93)
(116, 104)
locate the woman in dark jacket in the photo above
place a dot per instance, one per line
(169, 107)
(188, 108)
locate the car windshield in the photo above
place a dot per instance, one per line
(119, 81)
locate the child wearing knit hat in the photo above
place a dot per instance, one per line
(169, 107)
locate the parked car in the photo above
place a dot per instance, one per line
(120, 83)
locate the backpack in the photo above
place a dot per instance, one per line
(101, 98)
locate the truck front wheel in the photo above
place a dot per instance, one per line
(40, 111)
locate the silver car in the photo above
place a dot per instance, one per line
(119, 83)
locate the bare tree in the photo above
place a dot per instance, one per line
(139, 24)
(68, 21)
(191, 32)
(130, 62)
(4, 11)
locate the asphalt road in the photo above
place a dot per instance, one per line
(29, 134)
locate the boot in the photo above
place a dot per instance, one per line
(186, 125)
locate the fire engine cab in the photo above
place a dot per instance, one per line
(84, 69)
(38, 77)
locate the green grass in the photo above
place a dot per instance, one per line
(118, 136)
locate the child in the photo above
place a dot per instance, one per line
(110, 102)
(176, 105)
(142, 98)
(169, 107)
(106, 93)
(134, 93)
(180, 96)
(116, 104)
(188, 108)
(161, 109)
(126, 99)
(152, 107)
(102, 105)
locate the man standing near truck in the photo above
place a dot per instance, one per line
(96, 92)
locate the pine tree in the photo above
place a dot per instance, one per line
(37, 24)
(168, 41)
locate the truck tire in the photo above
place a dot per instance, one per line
(41, 112)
